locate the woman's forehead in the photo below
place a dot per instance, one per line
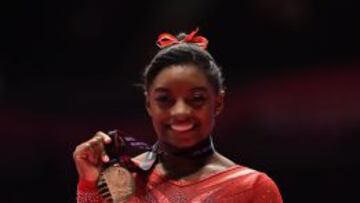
(181, 89)
(184, 74)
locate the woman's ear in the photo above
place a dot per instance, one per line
(147, 103)
(219, 102)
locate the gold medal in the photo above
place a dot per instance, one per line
(116, 184)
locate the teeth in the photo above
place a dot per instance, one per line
(182, 127)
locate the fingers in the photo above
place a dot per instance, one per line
(93, 150)
(97, 144)
(104, 137)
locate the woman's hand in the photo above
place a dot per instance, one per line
(89, 156)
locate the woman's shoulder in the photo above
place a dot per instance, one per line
(250, 183)
(247, 176)
(244, 177)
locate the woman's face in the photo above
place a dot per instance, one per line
(183, 105)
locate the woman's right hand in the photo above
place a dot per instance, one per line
(89, 156)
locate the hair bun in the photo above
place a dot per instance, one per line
(166, 39)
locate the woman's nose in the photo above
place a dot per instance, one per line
(180, 109)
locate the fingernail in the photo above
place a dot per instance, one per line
(107, 140)
(106, 158)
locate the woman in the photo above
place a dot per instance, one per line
(184, 93)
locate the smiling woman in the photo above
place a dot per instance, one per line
(182, 105)
(184, 93)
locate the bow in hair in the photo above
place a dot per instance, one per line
(166, 39)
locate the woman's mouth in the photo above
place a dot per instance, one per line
(182, 127)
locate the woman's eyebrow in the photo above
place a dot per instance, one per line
(199, 89)
(194, 89)
(161, 89)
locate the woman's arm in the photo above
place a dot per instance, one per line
(89, 158)
(87, 193)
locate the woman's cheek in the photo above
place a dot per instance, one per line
(159, 121)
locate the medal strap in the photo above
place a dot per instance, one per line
(200, 150)
(123, 144)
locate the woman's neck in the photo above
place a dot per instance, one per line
(202, 149)
(177, 163)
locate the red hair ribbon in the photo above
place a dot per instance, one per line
(166, 39)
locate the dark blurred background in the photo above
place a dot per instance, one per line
(69, 69)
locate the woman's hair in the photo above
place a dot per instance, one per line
(184, 53)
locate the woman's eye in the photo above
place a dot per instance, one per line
(163, 99)
(198, 100)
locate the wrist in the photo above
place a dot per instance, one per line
(87, 185)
